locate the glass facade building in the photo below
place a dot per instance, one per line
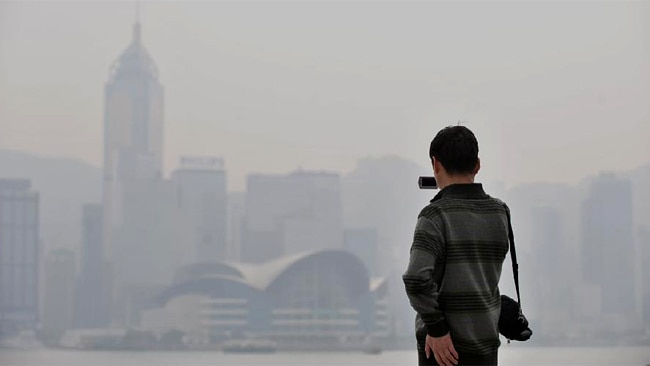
(19, 256)
(324, 297)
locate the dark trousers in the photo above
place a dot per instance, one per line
(464, 359)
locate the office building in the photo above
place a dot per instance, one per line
(362, 242)
(19, 256)
(133, 131)
(287, 214)
(201, 195)
(59, 296)
(94, 290)
(608, 243)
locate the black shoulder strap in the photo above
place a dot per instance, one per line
(513, 255)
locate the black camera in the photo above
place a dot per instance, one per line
(427, 183)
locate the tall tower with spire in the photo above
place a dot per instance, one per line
(133, 130)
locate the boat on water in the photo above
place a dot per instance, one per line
(249, 346)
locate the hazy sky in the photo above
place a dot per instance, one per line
(554, 91)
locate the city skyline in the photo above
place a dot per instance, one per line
(22, 165)
(216, 226)
(269, 100)
(544, 207)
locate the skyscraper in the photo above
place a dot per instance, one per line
(19, 256)
(136, 243)
(201, 195)
(291, 213)
(93, 286)
(59, 297)
(644, 238)
(555, 284)
(236, 216)
(133, 130)
(608, 243)
(153, 242)
(362, 242)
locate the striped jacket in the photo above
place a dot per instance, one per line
(452, 280)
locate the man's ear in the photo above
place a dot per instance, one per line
(436, 165)
(478, 166)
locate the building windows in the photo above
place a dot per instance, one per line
(18, 254)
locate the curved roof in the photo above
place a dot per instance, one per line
(262, 275)
(266, 275)
(135, 61)
(379, 286)
(212, 286)
(377, 283)
(357, 278)
(206, 269)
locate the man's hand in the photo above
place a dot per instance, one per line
(442, 349)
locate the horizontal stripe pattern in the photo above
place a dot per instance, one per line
(469, 302)
(416, 284)
(460, 241)
(426, 242)
(433, 211)
(476, 251)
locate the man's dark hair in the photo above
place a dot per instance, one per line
(456, 148)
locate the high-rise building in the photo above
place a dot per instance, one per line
(142, 244)
(644, 244)
(555, 284)
(133, 130)
(236, 215)
(201, 195)
(93, 285)
(156, 238)
(19, 256)
(291, 213)
(608, 243)
(362, 242)
(262, 233)
(59, 297)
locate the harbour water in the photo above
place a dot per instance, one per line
(509, 355)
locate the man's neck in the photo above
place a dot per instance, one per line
(456, 179)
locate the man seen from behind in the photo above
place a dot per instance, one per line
(459, 245)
